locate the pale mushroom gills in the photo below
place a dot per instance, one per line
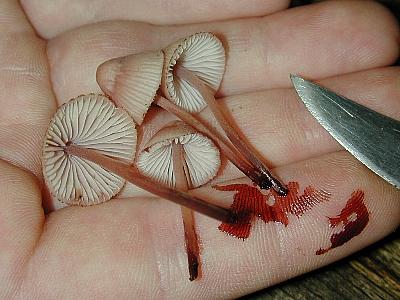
(201, 156)
(201, 53)
(92, 122)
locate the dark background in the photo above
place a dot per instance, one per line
(373, 273)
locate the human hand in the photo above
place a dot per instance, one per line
(132, 247)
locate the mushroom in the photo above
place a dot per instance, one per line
(177, 156)
(132, 85)
(204, 56)
(192, 73)
(88, 152)
(90, 121)
(141, 73)
(201, 156)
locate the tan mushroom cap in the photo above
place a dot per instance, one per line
(89, 121)
(201, 53)
(201, 156)
(135, 80)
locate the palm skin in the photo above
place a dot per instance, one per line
(132, 247)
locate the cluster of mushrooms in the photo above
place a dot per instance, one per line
(90, 145)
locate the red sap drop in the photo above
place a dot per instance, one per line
(250, 203)
(354, 217)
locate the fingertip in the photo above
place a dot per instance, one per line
(391, 26)
(16, 182)
(376, 40)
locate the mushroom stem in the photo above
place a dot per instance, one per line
(267, 179)
(226, 148)
(130, 173)
(191, 239)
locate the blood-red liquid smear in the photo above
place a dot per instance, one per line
(354, 217)
(250, 203)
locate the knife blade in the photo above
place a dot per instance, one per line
(373, 138)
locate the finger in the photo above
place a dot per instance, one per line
(69, 245)
(141, 252)
(278, 126)
(21, 219)
(319, 40)
(77, 13)
(26, 100)
(283, 252)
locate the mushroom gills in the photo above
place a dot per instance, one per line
(201, 53)
(199, 154)
(90, 121)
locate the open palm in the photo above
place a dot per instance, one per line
(133, 246)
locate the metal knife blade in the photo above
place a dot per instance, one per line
(374, 139)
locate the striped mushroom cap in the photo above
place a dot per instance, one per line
(200, 154)
(135, 80)
(201, 53)
(89, 121)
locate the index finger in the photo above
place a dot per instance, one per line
(321, 40)
(77, 13)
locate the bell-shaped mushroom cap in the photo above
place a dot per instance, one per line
(201, 53)
(200, 154)
(132, 81)
(89, 121)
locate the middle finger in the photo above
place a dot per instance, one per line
(319, 40)
(277, 125)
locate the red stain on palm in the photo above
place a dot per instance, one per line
(354, 217)
(250, 203)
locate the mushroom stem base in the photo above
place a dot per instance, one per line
(191, 242)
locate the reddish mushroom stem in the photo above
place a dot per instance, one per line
(226, 148)
(191, 239)
(130, 173)
(267, 180)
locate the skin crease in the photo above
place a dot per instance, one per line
(133, 247)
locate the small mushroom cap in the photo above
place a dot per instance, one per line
(93, 122)
(201, 156)
(132, 81)
(201, 53)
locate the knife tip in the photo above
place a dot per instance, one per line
(298, 78)
(298, 82)
(294, 77)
